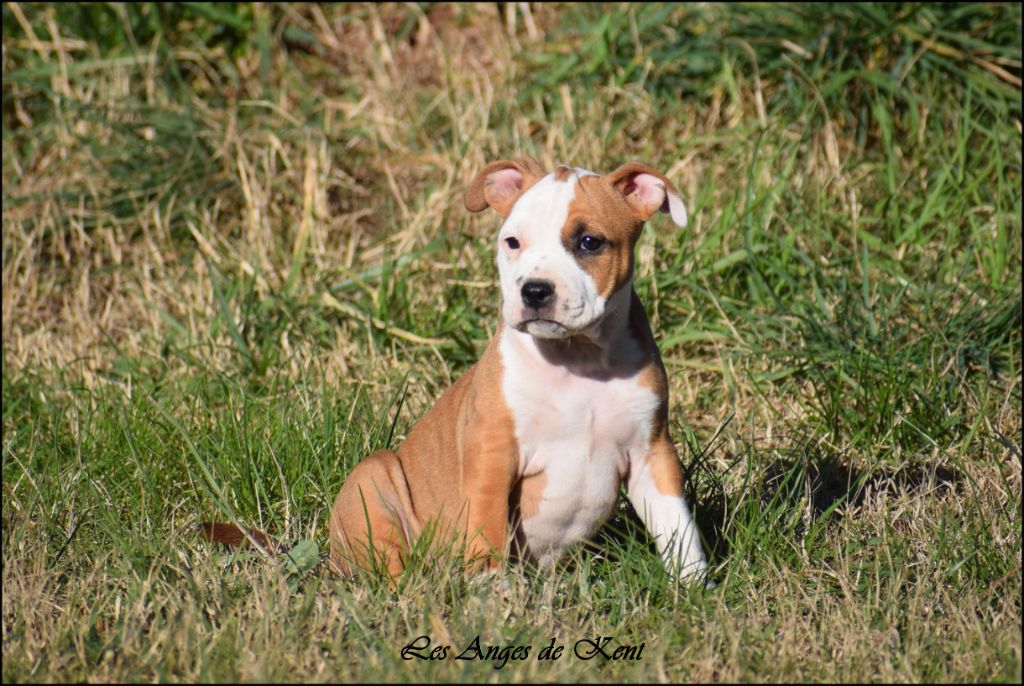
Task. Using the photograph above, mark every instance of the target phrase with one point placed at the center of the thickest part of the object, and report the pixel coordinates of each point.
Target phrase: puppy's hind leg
(372, 523)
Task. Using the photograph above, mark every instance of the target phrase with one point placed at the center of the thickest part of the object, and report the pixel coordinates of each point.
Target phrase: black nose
(537, 293)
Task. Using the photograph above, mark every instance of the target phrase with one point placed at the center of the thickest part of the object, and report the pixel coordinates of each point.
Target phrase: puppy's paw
(497, 579)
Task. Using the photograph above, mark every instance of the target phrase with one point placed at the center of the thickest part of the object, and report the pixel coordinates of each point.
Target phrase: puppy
(525, 453)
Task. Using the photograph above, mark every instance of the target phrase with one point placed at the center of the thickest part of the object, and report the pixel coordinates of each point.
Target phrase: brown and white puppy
(525, 453)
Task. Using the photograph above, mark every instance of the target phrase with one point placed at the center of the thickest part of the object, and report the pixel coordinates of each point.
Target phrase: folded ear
(647, 191)
(500, 184)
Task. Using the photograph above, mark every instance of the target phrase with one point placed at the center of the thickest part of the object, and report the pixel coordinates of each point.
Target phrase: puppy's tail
(235, 536)
(295, 559)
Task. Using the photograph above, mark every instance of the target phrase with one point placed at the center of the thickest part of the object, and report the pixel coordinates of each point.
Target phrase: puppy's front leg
(655, 489)
(486, 485)
(488, 474)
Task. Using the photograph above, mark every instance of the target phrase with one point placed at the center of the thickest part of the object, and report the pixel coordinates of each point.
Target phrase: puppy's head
(566, 244)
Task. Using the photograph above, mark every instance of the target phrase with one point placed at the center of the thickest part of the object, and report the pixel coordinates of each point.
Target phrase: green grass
(236, 261)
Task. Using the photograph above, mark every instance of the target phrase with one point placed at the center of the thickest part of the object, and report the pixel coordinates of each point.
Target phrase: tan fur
(665, 468)
(605, 214)
(662, 455)
(480, 196)
(528, 494)
(454, 472)
(562, 172)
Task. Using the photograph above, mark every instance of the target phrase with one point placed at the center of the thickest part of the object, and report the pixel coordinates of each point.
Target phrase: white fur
(582, 433)
(668, 520)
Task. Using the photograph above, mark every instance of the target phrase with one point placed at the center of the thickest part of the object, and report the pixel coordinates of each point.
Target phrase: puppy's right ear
(500, 184)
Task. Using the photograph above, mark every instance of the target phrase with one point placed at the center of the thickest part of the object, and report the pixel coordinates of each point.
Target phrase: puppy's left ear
(648, 191)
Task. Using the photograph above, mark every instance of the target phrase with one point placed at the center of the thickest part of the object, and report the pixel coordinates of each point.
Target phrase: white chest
(576, 437)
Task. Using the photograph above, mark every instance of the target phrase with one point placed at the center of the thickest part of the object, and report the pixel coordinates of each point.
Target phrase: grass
(235, 261)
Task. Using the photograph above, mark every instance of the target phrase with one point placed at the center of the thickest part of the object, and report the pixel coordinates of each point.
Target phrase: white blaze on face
(535, 226)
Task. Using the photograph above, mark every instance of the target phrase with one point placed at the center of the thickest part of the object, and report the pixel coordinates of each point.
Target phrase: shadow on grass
(788, 496)
(825, 489)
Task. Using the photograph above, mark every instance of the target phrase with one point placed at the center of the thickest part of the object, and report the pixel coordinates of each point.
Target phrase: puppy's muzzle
(537, 293)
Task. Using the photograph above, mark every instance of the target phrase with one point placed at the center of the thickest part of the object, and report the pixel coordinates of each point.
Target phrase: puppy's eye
(590, 243)
(512, 243)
